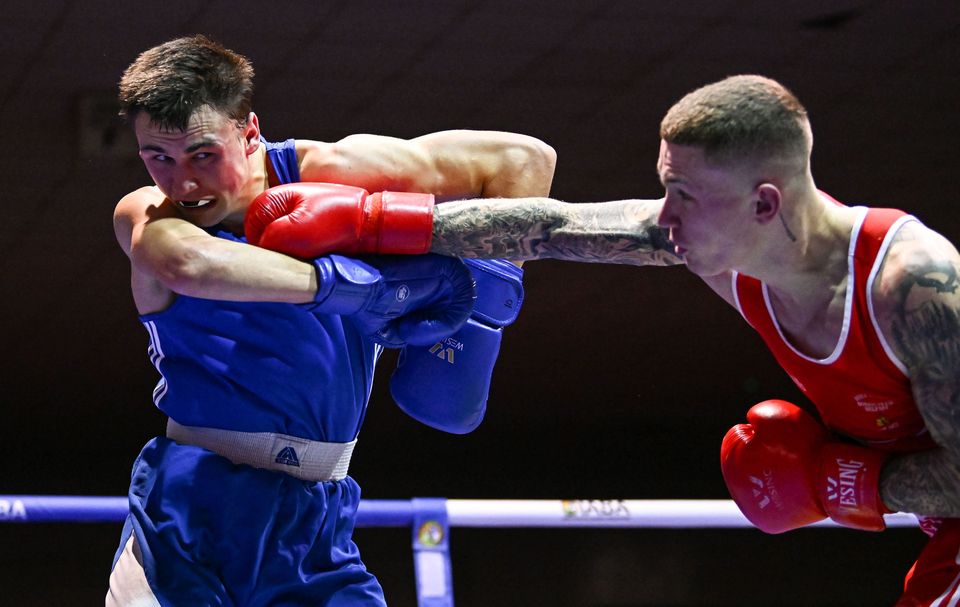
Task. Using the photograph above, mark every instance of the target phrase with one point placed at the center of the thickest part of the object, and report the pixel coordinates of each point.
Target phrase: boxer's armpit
(622, 232)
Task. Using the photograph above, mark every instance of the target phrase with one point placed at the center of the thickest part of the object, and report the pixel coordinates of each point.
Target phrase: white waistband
(301, 458)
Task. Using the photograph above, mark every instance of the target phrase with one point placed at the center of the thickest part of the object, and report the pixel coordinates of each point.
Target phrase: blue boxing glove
(396, 299)
(445, 385)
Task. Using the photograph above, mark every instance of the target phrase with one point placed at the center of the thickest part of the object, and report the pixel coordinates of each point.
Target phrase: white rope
(667, 514)
(670, 514)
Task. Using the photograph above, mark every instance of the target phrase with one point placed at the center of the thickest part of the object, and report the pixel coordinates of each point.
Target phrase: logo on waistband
(288, 457)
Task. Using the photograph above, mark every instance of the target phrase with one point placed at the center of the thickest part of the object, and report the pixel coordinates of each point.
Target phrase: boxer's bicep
(925, 331)
(373, 162)
(448, 164)
(488, 164)
(917, 295)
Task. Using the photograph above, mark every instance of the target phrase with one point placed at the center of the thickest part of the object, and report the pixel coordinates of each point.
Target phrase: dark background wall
(617, 382)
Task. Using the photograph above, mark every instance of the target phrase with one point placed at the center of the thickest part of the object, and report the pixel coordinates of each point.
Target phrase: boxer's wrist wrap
(499, 291)
(850, 485)
(343, 284)
(406, 223)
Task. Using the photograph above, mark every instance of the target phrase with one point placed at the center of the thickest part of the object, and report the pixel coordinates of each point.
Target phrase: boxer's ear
(768, 201)
(251, 133)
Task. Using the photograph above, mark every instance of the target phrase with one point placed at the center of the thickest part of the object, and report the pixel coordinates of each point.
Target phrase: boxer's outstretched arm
(920, 291)
(623, 231)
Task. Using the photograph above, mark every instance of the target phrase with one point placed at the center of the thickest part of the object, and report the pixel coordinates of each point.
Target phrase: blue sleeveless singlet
(261, 367)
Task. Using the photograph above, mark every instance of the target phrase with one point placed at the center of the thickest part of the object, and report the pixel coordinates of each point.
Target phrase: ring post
(431, 553)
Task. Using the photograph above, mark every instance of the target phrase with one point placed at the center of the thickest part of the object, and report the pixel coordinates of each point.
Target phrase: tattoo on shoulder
(926, 323)
(926, 331)
(622, 232)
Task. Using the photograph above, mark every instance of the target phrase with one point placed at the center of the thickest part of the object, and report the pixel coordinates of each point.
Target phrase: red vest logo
(872, 403)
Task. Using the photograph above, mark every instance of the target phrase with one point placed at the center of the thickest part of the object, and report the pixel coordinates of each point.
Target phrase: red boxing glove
(308, 220)
(784, 470)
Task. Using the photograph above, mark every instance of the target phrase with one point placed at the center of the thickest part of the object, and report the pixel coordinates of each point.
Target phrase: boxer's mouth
(194, 204)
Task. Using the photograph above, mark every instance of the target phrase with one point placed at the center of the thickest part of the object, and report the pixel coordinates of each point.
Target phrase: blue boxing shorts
(210, 532)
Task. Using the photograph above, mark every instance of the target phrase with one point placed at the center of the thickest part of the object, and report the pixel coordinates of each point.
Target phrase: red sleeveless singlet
(861, 389)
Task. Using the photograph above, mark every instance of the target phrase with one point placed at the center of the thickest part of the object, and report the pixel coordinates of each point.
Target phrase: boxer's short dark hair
(740, 118)
(173, 80)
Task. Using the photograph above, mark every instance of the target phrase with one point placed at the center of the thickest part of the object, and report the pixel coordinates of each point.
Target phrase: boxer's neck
(258, 180)
(808, 293)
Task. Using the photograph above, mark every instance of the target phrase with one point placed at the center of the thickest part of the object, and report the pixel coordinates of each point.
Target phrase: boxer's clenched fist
(307, 220)
(784, 471)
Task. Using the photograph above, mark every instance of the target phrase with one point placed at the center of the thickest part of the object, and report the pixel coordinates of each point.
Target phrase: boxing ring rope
(430, 520)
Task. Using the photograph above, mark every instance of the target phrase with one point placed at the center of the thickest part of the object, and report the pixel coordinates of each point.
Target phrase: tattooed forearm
(623, 232)
(926, 483)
